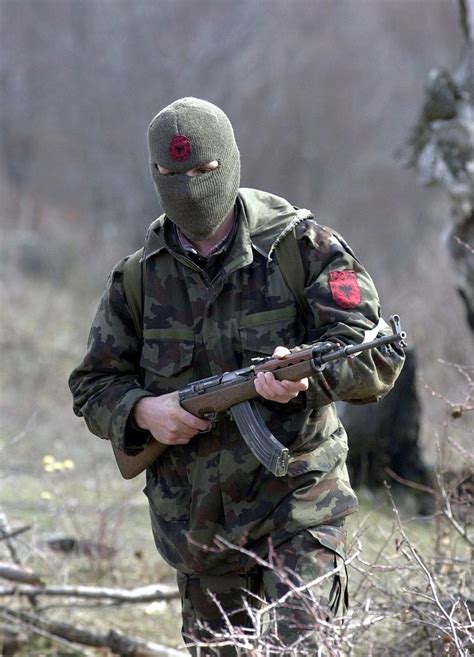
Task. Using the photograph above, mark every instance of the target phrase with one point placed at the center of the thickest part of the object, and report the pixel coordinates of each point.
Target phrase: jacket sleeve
(106, 384)
(344, 305)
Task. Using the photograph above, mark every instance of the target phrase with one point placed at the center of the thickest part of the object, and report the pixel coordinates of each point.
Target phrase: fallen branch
(14, 533)
(117, 642)
(19, 574)
(140, 594)
(6, 534)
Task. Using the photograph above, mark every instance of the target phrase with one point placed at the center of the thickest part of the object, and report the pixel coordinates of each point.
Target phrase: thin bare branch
(14, 533)
(431, 581)
(407, 482)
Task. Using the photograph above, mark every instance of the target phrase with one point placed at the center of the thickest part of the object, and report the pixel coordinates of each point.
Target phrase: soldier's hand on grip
(280, 391)
(166, 420)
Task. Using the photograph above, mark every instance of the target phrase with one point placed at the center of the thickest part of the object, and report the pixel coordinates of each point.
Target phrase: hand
(280, 391)
(167, 421)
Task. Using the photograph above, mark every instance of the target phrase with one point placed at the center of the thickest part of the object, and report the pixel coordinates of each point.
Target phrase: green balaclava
(187, 134)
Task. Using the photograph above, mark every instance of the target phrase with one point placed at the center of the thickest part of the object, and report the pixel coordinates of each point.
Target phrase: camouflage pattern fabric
(210, 603)
(196, 326)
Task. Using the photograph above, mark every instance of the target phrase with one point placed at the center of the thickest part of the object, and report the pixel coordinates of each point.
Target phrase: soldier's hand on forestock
(279, 391)
(167, 421)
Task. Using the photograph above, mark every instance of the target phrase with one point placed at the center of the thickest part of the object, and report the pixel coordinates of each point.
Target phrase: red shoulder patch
(345, 288)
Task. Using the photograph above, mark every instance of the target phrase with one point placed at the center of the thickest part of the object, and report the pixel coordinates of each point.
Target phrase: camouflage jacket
(195, 327)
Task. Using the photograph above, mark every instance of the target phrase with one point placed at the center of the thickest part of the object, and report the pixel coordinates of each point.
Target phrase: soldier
(213, 298)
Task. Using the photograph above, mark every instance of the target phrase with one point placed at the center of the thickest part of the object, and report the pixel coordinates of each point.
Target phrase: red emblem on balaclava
(345, 289)
(180, 148)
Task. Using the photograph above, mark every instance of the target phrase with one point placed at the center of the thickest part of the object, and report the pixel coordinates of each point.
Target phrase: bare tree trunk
(441, 149)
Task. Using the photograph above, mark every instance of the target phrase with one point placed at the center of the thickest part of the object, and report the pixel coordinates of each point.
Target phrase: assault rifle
(232, 392)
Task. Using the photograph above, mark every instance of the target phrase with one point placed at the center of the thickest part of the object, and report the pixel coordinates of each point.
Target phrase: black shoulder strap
(133, 288)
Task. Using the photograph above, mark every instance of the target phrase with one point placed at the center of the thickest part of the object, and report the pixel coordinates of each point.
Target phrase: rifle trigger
(212, 417)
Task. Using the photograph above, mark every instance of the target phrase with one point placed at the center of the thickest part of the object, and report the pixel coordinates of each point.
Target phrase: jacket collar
(263, 219)
(269, 218)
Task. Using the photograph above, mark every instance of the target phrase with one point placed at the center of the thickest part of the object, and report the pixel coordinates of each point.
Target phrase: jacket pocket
(167, 488)
(167, 359)
(261, 332)
(322, 458)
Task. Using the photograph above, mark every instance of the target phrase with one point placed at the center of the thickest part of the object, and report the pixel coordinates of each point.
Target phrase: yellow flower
(48, 459)
(46, 495)
(68, 464)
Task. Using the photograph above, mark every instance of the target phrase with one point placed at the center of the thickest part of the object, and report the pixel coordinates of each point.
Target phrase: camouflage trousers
(220, 610)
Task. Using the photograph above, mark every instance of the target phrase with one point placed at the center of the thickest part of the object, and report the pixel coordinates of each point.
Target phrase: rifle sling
(133, 288)
(291, 266)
